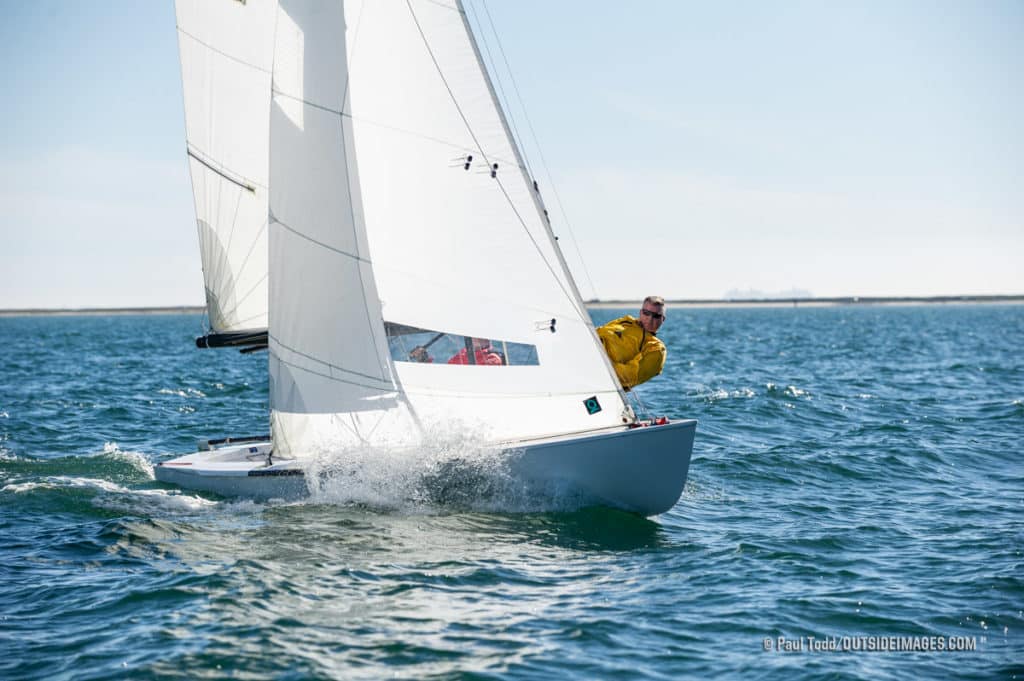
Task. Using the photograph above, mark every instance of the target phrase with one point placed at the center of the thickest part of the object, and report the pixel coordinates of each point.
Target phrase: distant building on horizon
(754, 294)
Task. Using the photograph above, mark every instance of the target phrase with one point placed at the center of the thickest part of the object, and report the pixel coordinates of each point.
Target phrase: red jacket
(483, 356)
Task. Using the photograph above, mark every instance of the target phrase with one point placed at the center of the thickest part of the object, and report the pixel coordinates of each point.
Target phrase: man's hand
(419, 354)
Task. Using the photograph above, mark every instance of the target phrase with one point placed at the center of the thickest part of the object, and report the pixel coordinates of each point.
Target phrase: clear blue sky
(847, 149)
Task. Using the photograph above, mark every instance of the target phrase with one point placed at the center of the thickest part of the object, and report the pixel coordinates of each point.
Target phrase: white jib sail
(226, 50)
(400, 211)
(330, 378)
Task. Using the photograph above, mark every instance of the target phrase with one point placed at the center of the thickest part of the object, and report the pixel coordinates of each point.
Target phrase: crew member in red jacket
(483, 353)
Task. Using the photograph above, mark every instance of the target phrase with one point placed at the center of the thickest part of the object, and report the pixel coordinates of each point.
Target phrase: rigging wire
(641, 407)
(536, 144)
(569, 296)
(574, 297)
(501, 90)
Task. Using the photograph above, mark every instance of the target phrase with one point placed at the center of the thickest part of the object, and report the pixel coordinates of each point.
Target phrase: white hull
(235, 471)
(641, 470)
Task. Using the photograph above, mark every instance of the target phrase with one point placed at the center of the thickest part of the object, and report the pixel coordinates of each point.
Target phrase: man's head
(652, 313)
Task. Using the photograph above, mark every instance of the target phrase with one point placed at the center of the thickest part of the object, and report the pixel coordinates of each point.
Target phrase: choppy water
(857, 472)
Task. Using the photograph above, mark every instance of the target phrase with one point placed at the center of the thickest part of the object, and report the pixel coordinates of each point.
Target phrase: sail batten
(226, 174)
(213, 48)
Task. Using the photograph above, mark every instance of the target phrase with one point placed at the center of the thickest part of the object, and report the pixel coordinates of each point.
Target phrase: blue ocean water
(857, 478)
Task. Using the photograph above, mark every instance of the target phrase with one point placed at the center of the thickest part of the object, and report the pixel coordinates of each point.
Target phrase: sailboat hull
(641, 470)
(236, 471)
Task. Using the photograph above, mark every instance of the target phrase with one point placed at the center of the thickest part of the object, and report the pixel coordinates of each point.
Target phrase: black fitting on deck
(238, 339)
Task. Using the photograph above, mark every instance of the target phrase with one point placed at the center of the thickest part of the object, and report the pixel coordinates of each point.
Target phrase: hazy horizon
(587, 301)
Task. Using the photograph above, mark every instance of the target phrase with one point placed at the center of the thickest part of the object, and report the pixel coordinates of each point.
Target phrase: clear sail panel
(427, 346)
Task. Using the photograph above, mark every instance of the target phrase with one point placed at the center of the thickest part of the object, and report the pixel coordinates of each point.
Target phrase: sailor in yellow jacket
(632, 344)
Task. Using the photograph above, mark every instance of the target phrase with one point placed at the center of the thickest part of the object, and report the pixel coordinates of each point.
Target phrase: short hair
(654, 300)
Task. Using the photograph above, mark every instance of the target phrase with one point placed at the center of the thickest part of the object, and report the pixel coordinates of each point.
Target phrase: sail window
(413, 344)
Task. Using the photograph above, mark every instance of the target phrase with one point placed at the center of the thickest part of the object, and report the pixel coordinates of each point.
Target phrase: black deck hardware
(238, 339)
(284, 472)
(239, 440)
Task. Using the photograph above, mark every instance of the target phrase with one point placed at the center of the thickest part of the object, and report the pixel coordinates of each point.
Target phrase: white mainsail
(226, 50)
(398, 200)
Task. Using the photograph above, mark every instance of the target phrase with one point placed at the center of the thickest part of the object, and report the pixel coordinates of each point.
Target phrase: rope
(639, 403)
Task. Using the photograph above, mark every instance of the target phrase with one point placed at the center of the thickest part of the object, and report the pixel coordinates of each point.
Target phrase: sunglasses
(656, 315)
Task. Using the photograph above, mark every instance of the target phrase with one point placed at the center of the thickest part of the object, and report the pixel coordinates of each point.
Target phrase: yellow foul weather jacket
(637, 355)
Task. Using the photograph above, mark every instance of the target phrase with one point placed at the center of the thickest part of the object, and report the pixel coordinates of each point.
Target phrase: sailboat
(364, 211)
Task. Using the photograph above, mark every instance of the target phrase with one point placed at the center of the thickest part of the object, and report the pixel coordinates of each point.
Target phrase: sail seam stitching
(413, 133)
(320, 243)
(385, 126)
(223, 53)
(441, 4)
(326, 364)
(337, 379)
(307, 102)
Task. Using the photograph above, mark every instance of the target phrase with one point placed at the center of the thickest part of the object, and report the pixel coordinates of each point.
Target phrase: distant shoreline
(819, 302)
(593, 304)
(100, 311)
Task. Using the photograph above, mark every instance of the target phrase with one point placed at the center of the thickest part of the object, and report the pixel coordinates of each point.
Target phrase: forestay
(226, 50)
(399, 201)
